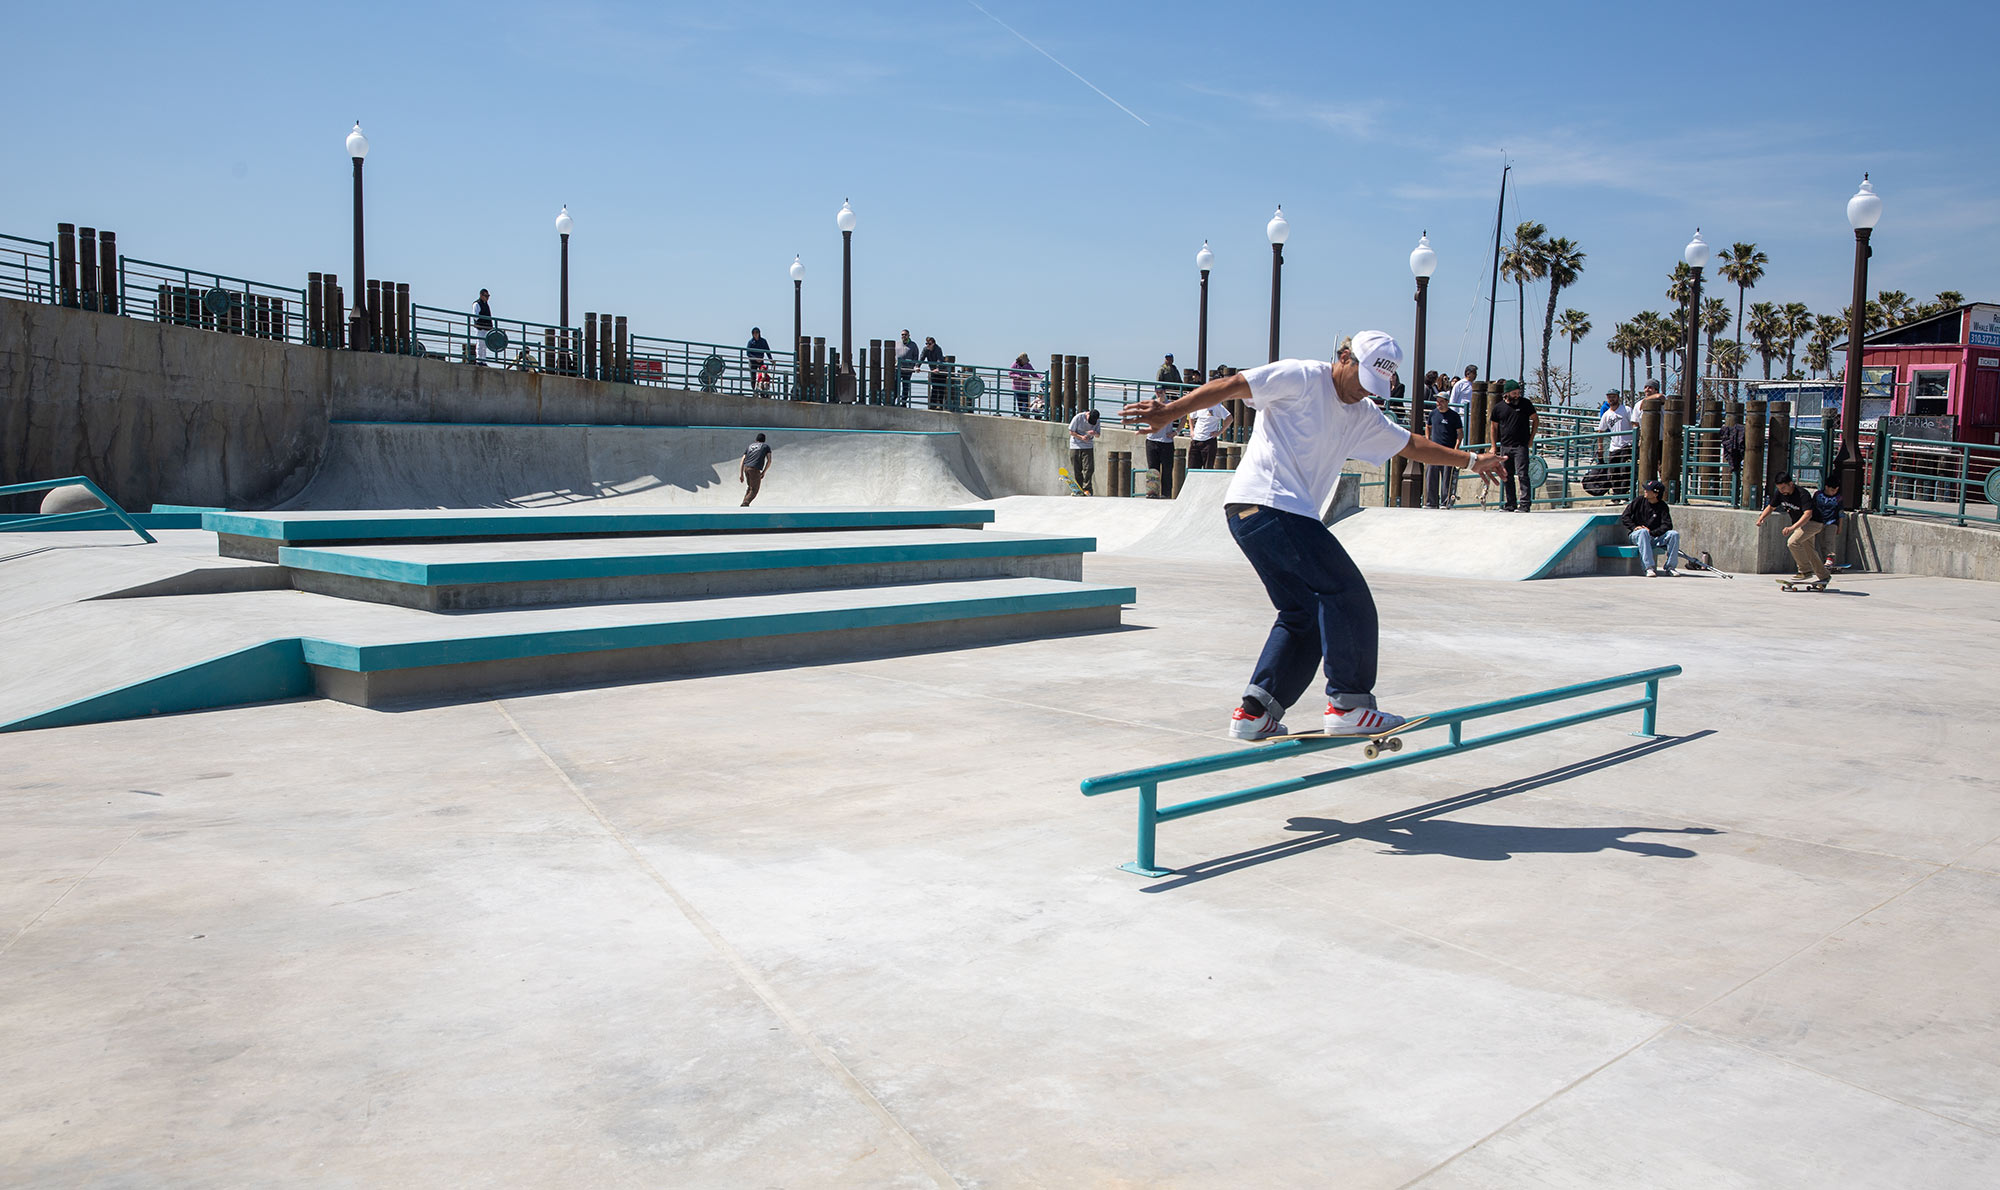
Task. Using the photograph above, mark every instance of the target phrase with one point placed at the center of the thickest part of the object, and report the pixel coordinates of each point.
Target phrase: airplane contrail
(1058, 61)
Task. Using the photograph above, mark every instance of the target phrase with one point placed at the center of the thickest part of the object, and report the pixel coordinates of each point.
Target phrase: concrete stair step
(259, 536)
(460, 576)
(266, 645)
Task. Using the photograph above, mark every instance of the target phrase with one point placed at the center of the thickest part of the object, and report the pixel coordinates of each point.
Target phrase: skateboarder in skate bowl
(1312, 416)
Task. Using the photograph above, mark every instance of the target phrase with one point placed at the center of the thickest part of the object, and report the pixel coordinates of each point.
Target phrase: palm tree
(1872, 319)
(1646, 333)
(1798, 324)
(1945, 302)
(1562, 263)
(1623, 344)
(1728, 358)
(1680, 283)
(1714, 319)
(1575, 325)
(1826, 331)
(1521, 264)
(1670, 336)
(1897, 308)
(1767, 328)
(1744, 265)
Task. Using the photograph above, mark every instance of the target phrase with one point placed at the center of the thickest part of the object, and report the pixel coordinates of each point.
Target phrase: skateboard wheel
(1371, 751)
(1393, 744)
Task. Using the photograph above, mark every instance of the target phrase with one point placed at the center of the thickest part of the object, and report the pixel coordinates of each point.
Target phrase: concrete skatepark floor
(852, 924)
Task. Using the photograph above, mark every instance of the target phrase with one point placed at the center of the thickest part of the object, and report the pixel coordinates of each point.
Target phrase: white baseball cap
(1379, 356)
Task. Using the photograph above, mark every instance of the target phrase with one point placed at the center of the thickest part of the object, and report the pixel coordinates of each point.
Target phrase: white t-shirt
(1461, 395)
(1079, 426)
(1617, 421)
(1304, 435)
(1208, 423)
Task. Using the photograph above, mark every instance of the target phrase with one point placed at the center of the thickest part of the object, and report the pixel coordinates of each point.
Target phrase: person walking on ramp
(1312, 418)
(756, 464)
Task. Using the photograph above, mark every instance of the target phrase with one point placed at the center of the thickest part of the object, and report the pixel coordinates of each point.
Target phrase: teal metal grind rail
(45, 520)
(1148, 780)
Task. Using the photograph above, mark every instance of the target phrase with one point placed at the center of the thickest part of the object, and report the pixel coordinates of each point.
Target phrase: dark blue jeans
(1325, 613)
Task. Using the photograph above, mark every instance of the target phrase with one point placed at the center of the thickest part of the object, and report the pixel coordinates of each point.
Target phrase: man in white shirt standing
(1160, 459)
(1461, 393)
(1083, 433)
(1312, 417)
(1616, 419)
(1205, 429)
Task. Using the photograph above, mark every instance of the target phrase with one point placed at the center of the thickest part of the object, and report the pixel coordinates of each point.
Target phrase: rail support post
(1648, 718)
(1149, 825)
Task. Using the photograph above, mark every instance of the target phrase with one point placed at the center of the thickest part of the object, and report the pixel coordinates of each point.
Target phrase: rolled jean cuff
(1263, 696)
(1347, 701)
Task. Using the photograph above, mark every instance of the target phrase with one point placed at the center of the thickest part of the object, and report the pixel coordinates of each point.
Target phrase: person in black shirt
(755, 353)
(1514, 424)
(1802, 529)
(1440, 482)
(1651, 524)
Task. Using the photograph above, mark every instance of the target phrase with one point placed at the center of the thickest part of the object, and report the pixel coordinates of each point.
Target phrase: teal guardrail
(46, 520)
(1954, 481)
(1148, 780)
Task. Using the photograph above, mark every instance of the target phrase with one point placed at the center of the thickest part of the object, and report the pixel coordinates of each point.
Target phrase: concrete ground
(853, 925)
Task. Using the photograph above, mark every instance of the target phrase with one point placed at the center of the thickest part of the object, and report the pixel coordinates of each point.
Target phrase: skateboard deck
(1067, 478)
(1376, 744)
(1801, 585)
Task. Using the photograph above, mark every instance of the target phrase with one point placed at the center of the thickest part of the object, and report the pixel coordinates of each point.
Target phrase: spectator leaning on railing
(934, 356)
(1024, 377)
(906, 365)
(482, 322)
(757, 352)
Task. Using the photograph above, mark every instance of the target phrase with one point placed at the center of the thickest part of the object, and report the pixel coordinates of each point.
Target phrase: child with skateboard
(1313, 416)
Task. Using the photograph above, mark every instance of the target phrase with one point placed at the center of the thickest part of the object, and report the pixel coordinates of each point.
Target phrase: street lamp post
(357, 148)
(1203, 260)
(1696, 254)
(798, 326)
(563, 225)
(1423, 262)
(1864, 210)
(1277, 231)
(845, 220)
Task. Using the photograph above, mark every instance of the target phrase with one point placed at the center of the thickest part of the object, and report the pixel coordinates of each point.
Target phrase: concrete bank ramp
(372, 465)
(1469, 544)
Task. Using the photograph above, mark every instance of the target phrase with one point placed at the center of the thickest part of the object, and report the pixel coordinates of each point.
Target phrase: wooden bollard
(590, 345)
(406, 328)
(1670, 449)
(1180, 469)
(1648, 452)
(86, 258)
(621, 350)
(108, 278)
(1083, 395)
(315, 307)
(1755, 421)
(1777, 442)
(66, 263)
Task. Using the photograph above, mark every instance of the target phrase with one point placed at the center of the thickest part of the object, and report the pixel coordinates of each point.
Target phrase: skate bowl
(1467, 544)
(404, 465)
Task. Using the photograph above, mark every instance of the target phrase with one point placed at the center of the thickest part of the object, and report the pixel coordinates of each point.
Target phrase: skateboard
(1374, 745)
(1811, 584)
(1067, 478)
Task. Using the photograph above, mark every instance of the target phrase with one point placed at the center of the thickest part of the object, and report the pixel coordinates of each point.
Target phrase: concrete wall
(173, 415)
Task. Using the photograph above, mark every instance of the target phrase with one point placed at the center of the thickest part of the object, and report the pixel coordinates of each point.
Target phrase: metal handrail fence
(1956, 481)
(1110, 394)
(210, 301)
(1598, 464)
(1706, 476)
(709, 368)
(45, 520)
(28, 269)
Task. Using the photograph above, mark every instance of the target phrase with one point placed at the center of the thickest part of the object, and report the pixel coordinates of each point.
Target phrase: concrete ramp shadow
(1422, 830)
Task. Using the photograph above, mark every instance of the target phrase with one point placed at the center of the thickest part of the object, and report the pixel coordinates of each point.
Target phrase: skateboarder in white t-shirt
(1312, 416)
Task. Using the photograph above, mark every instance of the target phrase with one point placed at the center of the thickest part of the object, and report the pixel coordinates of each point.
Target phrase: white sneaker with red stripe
(1359, 721)
(1245, 726)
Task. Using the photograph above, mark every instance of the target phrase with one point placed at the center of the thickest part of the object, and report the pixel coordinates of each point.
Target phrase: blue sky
(1004, 205)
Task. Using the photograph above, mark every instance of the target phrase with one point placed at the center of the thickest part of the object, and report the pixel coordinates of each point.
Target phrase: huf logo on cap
(1385, 366)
